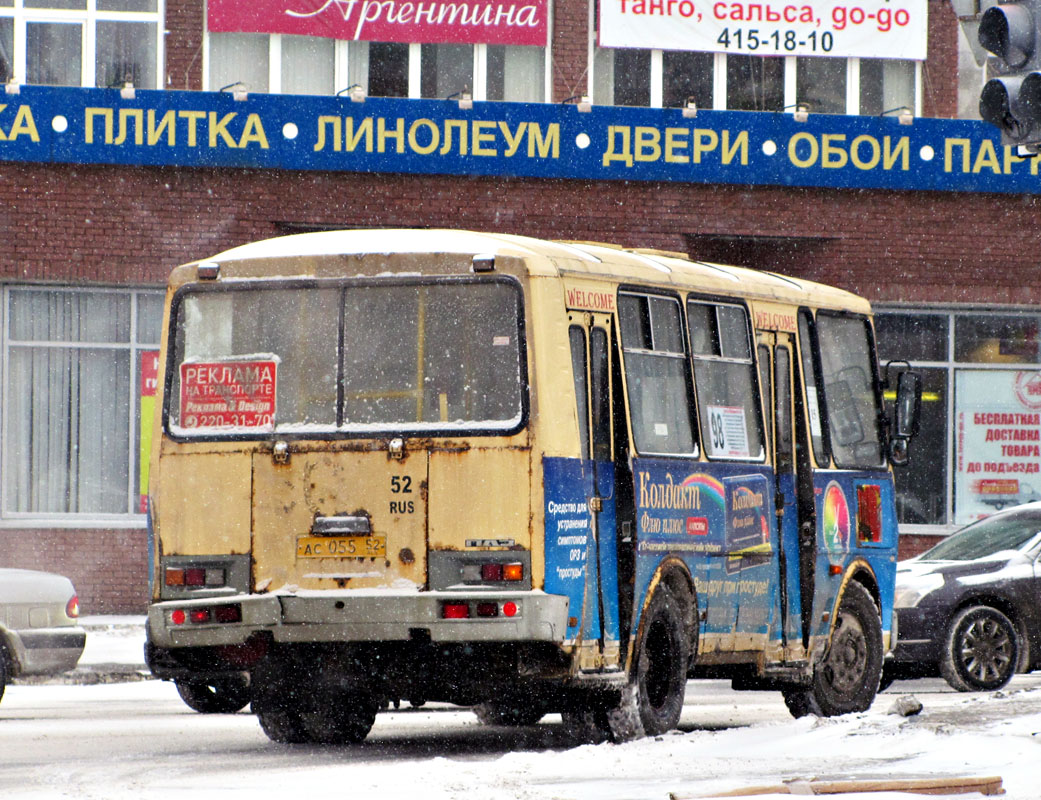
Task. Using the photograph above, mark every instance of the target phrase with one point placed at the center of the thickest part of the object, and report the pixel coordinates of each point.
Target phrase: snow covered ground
(159, 750)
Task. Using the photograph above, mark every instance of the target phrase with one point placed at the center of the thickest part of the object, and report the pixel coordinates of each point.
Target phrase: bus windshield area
(849, 391)
(352, 358)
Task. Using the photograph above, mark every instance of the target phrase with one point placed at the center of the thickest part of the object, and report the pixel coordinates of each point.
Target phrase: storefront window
(380, 68)
(821, 84)
(239, 58)
(623, 77)
(516, 73)
(670, 78)
(325, 66)
(73, 399)
(979, 446)
(307, 65)
(886, 84)
(6, 49)
(998, 339)
(116, 42)
(922, 337)
(755, 83)
(124, 54)
(54, 53)
(447, 69)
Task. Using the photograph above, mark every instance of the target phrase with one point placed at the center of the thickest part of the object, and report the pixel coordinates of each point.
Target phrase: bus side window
(766, 389)
(814, 412)
(725, 376)
(600, 376)
(783, 409)
(577, 338)
(658, 381)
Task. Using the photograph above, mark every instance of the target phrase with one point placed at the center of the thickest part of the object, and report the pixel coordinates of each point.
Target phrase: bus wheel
(221, 696)
(343, 719)
(610, 718)
(661, 664)
(283, 726)
(846, 679)
(512, 713)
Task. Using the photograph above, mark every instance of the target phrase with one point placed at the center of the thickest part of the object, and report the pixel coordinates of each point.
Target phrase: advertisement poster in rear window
(997, 441)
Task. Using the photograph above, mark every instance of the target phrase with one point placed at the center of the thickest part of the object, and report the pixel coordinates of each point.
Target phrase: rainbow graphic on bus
(836, 519)
(712, 488)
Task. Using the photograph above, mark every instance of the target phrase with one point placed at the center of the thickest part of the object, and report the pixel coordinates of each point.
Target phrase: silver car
(39, 634)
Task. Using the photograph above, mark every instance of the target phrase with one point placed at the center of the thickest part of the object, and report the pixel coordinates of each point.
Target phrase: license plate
(341, 546)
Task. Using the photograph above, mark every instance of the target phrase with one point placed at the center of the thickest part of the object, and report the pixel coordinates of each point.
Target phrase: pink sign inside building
(509, 22)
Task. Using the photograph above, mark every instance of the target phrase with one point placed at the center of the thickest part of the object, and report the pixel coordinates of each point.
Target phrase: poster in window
(728, 431)
(997, 441)
(235, 393)
(149, 387)
(433, 22)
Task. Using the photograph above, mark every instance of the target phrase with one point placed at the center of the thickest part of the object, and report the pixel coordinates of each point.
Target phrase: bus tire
(221, 696)
(660, 675)
(510, 713)
(343, 719)
(283, 726)
(613, 717)
(846, 679)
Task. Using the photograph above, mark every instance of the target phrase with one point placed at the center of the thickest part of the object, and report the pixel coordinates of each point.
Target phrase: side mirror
(906, 415)
(908, 408)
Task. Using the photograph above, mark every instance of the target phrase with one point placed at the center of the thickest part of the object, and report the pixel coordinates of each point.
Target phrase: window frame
(88, 18)
(336, 432)
(135, 347)
(342, 78)
(596, 88)
(687, 373)
(750, 362)
(949, 367)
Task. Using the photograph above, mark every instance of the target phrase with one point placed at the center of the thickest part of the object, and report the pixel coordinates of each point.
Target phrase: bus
(525, 476)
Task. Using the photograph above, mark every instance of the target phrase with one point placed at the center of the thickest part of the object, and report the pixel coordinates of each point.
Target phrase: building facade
(139, 134)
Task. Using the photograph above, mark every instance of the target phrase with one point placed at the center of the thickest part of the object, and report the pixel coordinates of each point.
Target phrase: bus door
(589, 336)
(777, 377)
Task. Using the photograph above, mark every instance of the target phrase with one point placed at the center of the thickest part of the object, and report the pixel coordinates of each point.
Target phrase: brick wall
(109, 568)
(132, 224)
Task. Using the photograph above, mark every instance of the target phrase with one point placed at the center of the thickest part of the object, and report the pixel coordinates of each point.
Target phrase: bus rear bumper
(360, 616)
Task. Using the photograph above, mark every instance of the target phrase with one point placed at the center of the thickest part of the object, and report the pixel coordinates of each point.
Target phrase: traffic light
(1012, 99)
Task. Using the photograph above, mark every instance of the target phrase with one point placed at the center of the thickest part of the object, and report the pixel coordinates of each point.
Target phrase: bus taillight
(455, 611)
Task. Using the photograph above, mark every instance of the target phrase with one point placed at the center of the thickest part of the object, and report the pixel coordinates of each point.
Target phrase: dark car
(969, 609)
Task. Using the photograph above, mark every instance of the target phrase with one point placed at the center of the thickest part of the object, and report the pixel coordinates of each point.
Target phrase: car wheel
(846, 679)
(3, 671)
(981, 651)
(221, 696)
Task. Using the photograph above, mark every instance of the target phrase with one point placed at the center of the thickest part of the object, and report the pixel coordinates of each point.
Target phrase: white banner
(867, 29)
(998, 444)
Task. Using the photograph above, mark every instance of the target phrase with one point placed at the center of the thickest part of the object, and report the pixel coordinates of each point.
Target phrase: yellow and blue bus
(526, 476)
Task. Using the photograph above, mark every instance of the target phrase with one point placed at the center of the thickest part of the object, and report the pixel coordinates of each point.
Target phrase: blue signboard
(543, 140)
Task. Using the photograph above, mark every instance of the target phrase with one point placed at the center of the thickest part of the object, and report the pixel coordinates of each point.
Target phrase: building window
(74, 364)
(978, 448)
(672, 78)
(886, 84)
(81, 42)
(754, 83)
(285, 64)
